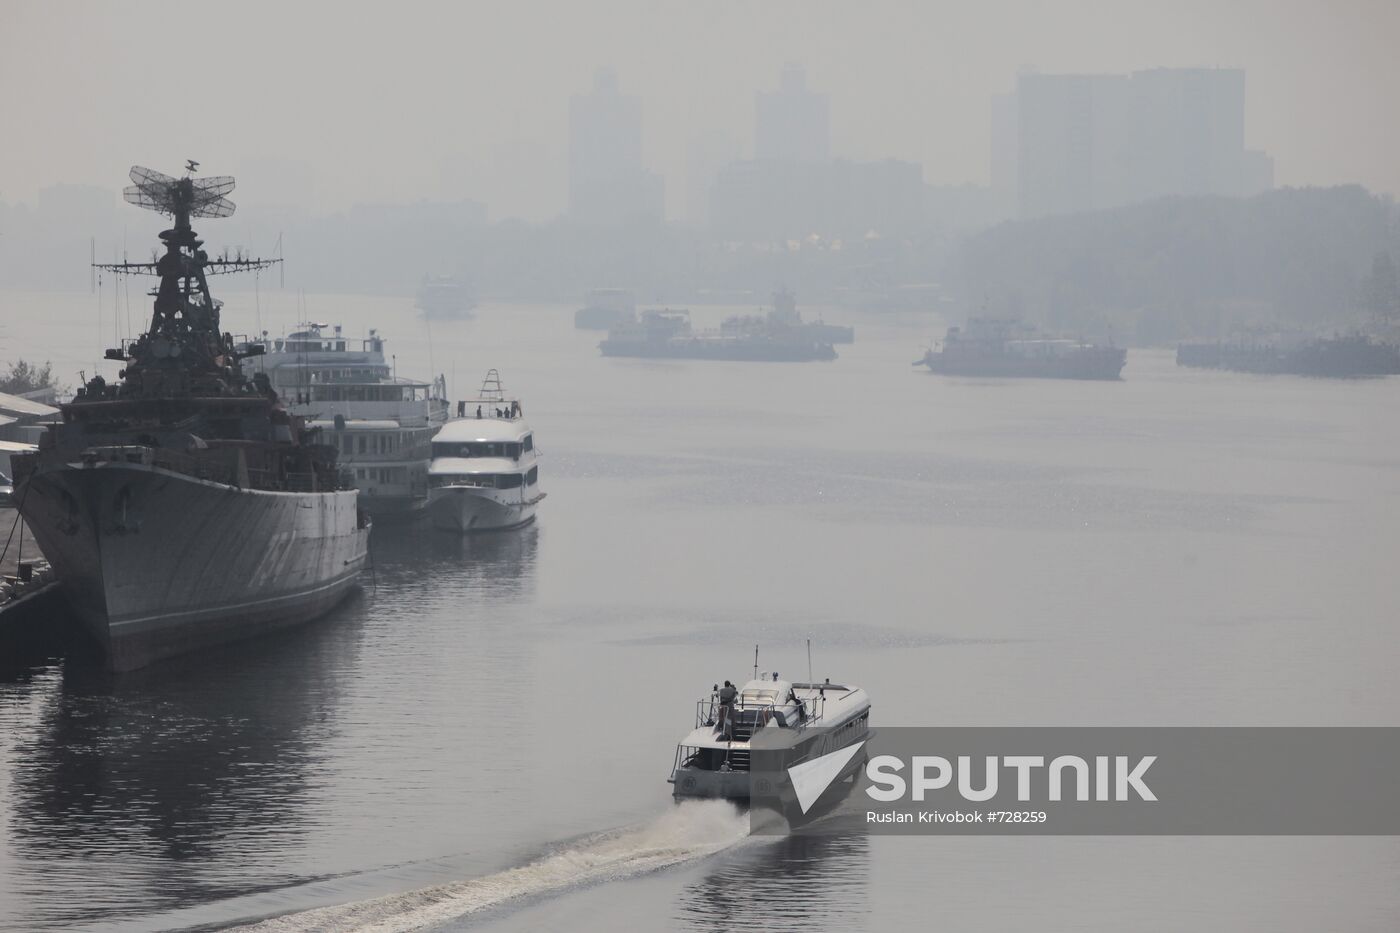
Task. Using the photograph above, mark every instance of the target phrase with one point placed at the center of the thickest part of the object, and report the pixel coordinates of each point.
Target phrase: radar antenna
(186, 315)
(182, 198)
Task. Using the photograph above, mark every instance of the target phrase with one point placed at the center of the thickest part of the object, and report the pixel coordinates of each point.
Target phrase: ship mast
(184, 332)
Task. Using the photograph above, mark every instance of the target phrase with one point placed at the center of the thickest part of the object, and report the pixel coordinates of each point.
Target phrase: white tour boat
(381, 424)
(800, 721)
(485, 472)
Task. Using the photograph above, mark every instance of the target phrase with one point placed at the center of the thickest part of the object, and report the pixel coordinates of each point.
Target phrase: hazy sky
(414, 99)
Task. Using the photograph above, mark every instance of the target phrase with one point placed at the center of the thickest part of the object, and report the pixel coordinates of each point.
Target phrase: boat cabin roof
(472, 466)
(487, 430)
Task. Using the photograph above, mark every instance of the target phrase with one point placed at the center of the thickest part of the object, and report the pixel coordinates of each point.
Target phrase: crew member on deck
(728, 694)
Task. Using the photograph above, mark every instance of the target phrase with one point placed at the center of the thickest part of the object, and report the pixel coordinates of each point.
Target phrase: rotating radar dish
(191, 197)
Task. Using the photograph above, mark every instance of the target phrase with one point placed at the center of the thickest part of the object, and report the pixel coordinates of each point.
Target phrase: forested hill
(1310, 258)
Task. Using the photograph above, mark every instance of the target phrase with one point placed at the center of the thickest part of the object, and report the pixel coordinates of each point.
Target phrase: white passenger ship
(485, 471)
(382, 425)
(799, 721)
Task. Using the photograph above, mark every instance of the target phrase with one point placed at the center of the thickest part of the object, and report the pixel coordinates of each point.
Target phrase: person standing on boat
(728, 694)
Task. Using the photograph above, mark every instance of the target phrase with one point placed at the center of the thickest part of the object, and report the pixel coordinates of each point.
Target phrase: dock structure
(21, 589)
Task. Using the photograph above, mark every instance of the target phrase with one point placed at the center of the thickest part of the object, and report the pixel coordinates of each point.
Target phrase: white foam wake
(689, 830)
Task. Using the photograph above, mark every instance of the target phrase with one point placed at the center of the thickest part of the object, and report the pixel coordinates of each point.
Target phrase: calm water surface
(498, 714)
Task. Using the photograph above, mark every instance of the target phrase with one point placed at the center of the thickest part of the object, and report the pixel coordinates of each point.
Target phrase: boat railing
(207, 468)
(707, 712)
(287, 482)
(198, 467)
(493, 409)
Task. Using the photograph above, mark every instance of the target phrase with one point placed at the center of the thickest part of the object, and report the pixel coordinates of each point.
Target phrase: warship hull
(157, 563)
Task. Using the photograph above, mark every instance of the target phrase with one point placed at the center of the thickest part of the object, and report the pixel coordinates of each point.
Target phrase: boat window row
(308, 346)
(386, 475)
(511, 449)
(331, 392)
(490, 480)
(381, 442)
(301, 376)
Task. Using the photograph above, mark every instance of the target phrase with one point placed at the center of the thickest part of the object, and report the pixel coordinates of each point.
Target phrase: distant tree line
(24, 376)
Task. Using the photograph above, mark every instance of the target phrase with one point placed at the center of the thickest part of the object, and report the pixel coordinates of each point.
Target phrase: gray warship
(1007, 349)
(1339, 356)
(184, 506)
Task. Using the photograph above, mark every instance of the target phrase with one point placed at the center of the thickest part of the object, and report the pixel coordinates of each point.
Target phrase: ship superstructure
(784, 321)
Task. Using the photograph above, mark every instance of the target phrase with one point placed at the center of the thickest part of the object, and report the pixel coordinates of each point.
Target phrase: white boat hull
(157, 563)
(468, 509)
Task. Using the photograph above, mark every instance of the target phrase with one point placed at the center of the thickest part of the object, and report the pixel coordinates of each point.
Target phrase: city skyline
(912, 85)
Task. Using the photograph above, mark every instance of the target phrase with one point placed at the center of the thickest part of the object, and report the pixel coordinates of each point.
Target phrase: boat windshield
(469, 449)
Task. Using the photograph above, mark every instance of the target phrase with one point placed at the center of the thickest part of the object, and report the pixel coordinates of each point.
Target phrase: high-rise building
(1055, 144)
(1086, 142)
(1190, 125)
(1258, 172)
(792, 124)
(608, 184)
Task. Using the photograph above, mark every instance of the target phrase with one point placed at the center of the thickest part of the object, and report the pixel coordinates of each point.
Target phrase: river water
(480, 738)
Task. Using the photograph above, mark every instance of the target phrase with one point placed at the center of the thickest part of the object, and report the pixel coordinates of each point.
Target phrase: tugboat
(668, 335)
(184, 506)
(798, 721)
(485, 473)
(999, 348)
